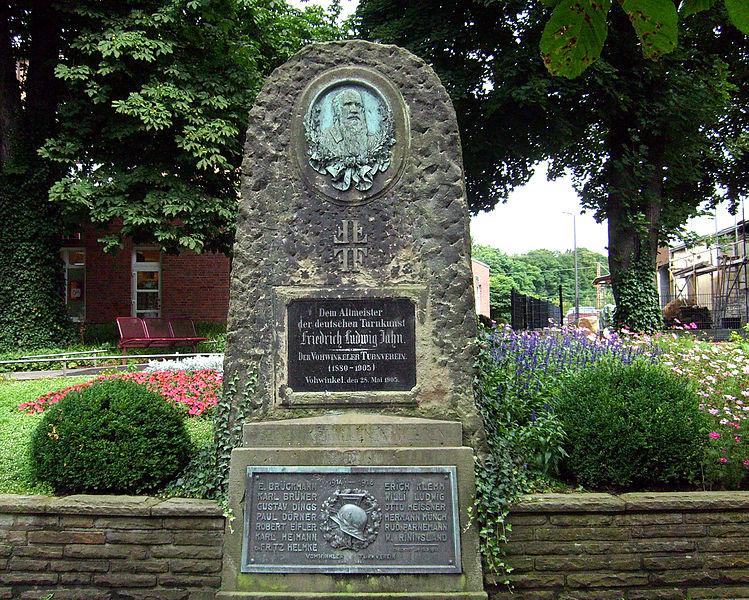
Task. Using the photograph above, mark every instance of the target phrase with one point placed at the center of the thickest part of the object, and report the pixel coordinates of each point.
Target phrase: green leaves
(655, 22)
(738, 12)
(135, 44)
(691, 7)
(573, 38)
(574, 35)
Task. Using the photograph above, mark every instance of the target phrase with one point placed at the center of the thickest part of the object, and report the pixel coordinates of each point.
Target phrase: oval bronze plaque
(351, 134)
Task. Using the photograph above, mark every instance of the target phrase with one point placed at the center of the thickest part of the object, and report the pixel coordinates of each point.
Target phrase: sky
(534, 215)
(347, 6)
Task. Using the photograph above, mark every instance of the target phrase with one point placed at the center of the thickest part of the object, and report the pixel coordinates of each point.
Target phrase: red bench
(156, 333)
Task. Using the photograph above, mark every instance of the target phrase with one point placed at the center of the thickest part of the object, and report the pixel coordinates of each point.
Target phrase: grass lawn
(16, 429)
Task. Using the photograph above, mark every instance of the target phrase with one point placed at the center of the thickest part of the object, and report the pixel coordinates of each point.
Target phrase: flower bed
(721, 372)
(539, 361)
(197, 390)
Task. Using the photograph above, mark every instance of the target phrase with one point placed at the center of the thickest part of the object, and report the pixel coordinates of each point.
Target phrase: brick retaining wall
(664, 546)
(562, 547)
(109, 547)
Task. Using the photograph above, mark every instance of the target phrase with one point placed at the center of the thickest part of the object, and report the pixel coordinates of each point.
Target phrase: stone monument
(351, 338)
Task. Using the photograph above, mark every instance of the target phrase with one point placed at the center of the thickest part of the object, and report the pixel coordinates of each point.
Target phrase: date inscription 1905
(346, 345)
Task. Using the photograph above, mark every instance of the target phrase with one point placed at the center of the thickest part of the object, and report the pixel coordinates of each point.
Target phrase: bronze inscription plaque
(351, 520)
(348, 345)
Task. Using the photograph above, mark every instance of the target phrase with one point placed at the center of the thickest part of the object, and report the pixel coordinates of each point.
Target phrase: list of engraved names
(349, 519)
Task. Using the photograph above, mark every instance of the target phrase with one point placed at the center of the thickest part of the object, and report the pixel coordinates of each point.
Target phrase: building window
(75, 282)
(146, 284)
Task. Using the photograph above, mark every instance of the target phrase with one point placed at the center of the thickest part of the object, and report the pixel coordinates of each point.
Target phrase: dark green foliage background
(113, 437)
(647, 143)
(31, 270)
(631, 426)
(153, 122)
(539, 273)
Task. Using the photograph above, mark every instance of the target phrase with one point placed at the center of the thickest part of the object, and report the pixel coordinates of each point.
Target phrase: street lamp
(577, 278)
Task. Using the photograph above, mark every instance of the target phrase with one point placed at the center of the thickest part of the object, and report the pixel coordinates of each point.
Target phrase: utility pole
(577, 277)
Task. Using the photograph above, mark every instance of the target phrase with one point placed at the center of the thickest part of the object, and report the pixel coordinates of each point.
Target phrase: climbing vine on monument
(500, 478)
(228, 426)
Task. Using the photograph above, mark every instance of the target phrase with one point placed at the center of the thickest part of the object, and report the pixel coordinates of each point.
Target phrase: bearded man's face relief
(352, 108)
(347, 149)
(348, 110)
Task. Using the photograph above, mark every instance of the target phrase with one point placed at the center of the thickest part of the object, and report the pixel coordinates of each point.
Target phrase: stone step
(353, 430)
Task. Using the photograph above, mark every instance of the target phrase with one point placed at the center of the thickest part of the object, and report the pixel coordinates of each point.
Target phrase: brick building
(141, 281)
(481, 287)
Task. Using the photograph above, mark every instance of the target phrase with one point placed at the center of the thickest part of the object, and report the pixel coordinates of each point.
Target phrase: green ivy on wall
(32, 309)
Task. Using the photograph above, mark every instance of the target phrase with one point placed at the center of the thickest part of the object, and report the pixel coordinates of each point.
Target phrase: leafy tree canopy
(132, 113)
(155, 110)
(647, 142)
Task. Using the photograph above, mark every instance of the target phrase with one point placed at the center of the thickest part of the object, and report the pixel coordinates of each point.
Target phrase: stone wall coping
(577, 502)
(632, 502)
(117, 506)
(147, 506)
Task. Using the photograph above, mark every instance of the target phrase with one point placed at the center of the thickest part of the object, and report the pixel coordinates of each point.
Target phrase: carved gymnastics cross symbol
(352, 245)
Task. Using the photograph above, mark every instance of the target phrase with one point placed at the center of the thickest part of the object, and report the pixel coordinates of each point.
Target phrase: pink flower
(714, 435)
(722, 460)
(197, 390)
(746, 462)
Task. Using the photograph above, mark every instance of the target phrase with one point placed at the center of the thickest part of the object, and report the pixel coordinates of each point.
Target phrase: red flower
(197, 390)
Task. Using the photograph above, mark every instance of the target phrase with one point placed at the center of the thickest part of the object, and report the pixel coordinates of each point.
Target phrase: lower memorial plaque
(351, 520)
(351, 344)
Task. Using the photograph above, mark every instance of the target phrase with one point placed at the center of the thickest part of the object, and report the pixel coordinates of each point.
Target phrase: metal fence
(707, 311)
(528, 312)
(62, 360)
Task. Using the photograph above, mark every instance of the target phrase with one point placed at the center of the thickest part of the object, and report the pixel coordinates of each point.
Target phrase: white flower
(190, 363)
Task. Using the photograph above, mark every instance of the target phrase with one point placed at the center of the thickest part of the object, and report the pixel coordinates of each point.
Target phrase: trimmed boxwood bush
(631, 425)
(113, 437)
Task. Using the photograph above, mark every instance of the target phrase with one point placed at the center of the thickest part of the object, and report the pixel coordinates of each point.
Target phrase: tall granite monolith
(351, 338)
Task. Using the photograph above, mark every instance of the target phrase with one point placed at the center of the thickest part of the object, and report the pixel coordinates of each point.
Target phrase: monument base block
(352, 506)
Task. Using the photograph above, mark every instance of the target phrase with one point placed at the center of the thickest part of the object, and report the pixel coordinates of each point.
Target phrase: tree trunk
(33, 312)
(10, 92)
(633, 210)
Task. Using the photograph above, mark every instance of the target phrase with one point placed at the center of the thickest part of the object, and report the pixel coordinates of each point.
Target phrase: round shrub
(631, 425)
(114, 437)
